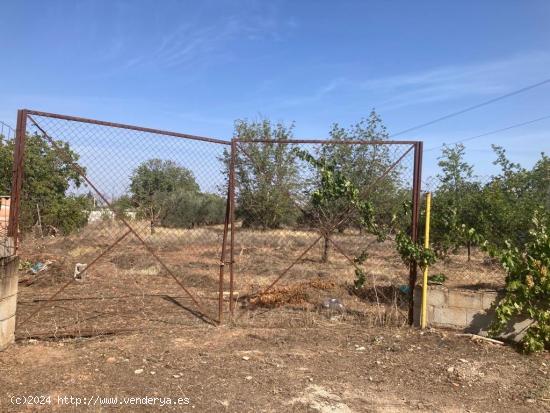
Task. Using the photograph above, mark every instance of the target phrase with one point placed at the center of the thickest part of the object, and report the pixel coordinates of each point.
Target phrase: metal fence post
(232, 218)
(417, 176)
(17, 177)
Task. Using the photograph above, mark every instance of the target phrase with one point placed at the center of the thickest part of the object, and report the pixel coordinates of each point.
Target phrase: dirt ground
(301, 363)
(128, 330)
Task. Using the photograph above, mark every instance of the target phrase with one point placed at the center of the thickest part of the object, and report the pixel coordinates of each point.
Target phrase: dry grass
(192, 256)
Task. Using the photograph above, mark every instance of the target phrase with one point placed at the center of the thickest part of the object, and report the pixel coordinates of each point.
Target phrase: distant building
(105, 214)
(4, 215)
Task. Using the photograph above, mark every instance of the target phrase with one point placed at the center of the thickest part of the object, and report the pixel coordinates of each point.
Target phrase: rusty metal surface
(326, 142)
(125, 126)
(82, 173)
(17, 180)
(229, 223)
(415, 146)
(417, 182)
(232, 218)
(223, 254)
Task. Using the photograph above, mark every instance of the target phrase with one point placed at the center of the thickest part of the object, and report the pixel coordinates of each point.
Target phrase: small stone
(530, 401)
(153, 373)
(451, 370)
(138, 371)
(463, 360)
(360, 348)
(176, 376)
(248, 377)
(111, 360)
(378, 362)
(246, 358)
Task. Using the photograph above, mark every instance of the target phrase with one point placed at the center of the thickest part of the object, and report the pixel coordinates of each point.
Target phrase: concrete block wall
(469, 310)
(8, 299)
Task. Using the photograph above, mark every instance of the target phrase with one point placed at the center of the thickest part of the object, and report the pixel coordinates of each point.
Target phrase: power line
(479, 105)
(8, 127)
(517, 125)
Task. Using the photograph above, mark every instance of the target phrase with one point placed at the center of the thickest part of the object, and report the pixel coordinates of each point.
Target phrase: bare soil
(284, 361)
(128, 329)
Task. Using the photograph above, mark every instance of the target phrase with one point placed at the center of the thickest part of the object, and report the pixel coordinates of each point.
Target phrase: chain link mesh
(144, 211)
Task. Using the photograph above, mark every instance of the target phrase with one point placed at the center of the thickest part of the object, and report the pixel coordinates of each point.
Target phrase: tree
(366, 164)
(154, 182)
(334, 198)
(456, 217)
(266, 175)
(47, 179)
(168, 195)
(189, 209)
(511, 198)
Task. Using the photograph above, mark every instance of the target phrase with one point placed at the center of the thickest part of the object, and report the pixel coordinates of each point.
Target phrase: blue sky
(197, 66)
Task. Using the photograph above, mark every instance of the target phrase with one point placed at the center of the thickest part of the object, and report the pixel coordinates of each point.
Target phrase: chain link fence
(123, 227)
(119, 225)
(301, 237)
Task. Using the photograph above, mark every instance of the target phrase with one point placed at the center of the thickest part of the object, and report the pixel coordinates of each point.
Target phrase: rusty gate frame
(415, 146)
(24, 115)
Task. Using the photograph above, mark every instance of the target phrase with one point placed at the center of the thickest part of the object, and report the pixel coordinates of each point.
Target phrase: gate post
(17, 177)
(417, 176)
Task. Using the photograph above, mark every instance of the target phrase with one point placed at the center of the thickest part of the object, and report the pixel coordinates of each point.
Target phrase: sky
(196, 67)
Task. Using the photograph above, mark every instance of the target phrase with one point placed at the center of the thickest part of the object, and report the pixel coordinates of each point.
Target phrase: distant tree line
(333, 187)
(468, 210)
(47, 178)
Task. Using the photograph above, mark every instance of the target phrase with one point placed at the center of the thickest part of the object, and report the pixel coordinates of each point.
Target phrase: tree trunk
(326, 249)
(469, 247)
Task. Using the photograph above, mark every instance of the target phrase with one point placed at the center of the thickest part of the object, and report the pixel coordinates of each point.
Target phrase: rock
(111, 360)
(333, 304)
(530, 401)
(451, 369)
(176, 376)
(246, 358)
(138, 371)
(361, 348)
(463, 360)
(248, 377)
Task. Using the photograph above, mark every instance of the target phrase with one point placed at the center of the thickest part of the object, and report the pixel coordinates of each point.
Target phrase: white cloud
(454, 82)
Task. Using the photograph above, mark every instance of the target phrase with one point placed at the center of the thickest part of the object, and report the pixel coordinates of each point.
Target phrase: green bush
(527, 286)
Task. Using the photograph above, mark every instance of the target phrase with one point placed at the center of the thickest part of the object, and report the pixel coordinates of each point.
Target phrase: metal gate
(144, 210)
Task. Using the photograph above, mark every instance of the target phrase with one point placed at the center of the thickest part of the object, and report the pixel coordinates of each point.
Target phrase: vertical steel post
(223, 255)
(17, 177)
(232, 219)
(417, 176)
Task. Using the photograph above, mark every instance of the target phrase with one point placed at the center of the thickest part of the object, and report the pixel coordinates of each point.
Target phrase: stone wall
(8, 299)
(469, 310)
